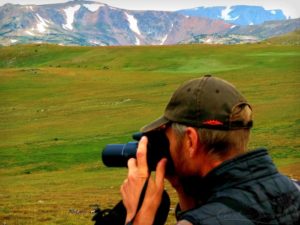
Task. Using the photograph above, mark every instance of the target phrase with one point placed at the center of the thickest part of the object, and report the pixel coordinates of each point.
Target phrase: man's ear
(192, 141)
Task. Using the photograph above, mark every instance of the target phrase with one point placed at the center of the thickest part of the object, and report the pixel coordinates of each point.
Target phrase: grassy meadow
(61, 105)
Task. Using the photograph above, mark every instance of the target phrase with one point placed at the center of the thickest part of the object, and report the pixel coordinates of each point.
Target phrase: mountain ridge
(88, 23)
(241, 15)
(94, 23)
(248, 34)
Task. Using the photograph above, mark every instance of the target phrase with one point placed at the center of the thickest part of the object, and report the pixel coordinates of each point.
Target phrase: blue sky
(290, 7)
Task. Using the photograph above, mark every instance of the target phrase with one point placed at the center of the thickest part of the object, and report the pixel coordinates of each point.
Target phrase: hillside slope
(61, 105)
(292, 38)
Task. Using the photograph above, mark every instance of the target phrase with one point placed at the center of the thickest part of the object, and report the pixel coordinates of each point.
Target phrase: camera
(117, 155)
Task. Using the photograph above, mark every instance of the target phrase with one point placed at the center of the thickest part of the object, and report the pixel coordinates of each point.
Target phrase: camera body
(117, 155)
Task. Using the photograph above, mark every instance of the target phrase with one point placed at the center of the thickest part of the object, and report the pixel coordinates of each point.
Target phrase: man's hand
(132, 187)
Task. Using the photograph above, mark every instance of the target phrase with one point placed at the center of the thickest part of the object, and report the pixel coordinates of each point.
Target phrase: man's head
(206, 102)
(210, 115)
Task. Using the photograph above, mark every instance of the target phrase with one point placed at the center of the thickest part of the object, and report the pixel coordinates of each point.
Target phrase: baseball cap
(205, 102)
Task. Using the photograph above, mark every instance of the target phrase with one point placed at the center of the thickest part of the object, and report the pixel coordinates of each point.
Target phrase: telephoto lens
(117, 155)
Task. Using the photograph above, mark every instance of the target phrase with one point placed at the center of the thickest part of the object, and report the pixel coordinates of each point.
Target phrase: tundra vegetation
(61, 105)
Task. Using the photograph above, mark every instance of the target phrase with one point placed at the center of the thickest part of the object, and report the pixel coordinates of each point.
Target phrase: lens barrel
(117, 155)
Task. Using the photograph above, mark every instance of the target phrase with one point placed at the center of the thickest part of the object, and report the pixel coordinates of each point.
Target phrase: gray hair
(220, 142)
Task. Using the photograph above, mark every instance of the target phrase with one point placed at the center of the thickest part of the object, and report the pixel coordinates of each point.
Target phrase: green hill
(292, 38)
(61, 105)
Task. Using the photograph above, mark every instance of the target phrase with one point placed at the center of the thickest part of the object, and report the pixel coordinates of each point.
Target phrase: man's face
(178, 155)
(186, 167)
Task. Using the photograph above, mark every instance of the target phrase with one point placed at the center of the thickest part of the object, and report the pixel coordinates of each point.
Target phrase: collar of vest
(247, 167)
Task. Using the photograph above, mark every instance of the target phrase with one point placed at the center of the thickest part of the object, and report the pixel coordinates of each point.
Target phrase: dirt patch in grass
(291, 170)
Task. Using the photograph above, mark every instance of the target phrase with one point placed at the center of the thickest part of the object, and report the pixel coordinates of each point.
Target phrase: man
(207, 123)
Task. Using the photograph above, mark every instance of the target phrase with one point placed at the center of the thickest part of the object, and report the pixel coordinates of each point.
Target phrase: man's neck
(211, 161)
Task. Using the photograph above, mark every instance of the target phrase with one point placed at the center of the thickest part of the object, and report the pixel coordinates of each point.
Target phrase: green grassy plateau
(292, 38)
(61, 105)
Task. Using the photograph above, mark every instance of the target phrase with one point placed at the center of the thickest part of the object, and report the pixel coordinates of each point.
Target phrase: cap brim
(155, 124)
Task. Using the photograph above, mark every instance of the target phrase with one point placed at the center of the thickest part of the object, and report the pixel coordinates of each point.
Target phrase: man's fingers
(132, 167)
(141, 156)
(131, 163)
(160, 172)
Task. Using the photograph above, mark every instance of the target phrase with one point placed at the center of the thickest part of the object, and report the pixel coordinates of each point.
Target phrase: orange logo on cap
(212, 122)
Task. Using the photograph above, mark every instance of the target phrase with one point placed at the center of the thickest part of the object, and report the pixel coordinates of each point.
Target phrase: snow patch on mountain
(29, 8)
(225, 14)
(29, 33)
(96, 42)
(137, 41)
(133, 23)
(93, 7)
(70, 12)
(42, 24)
(163, 40)
(13, 41)
(208, 41)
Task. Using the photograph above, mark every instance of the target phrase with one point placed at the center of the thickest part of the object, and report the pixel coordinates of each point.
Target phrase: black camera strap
(117, 215)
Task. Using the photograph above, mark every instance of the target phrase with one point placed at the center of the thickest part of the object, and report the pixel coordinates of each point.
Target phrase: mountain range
(83, 22)
(247, 34)
(239, 15)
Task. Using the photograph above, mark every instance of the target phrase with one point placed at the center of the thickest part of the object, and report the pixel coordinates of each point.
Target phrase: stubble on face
(176, 152)
(191, 183)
